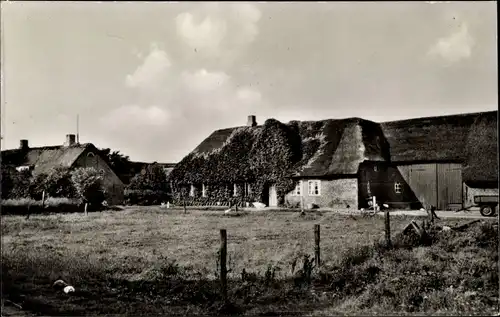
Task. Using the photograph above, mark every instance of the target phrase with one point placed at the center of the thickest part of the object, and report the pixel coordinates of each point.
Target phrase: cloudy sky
(154, 79)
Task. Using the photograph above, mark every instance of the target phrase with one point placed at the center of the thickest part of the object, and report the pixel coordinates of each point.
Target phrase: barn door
(449, 180)
(422, 181)
(273, 197)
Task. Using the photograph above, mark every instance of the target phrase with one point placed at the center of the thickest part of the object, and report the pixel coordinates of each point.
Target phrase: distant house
(70, 155)
(440, 161)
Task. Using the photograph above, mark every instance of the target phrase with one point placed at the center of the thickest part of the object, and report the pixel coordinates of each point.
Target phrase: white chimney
(251, 121)
(70, 140)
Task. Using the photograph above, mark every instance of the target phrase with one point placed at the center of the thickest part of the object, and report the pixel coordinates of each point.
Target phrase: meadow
(150, 261)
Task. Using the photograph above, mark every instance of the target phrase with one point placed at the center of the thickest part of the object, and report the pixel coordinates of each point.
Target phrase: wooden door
(273, 197)
(422, 180)
(449, 186)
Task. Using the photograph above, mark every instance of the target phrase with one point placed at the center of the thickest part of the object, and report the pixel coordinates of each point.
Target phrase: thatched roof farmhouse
(68, 155)
(322, 162)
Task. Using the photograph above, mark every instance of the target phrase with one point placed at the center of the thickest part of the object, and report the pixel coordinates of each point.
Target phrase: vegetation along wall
(258, 156)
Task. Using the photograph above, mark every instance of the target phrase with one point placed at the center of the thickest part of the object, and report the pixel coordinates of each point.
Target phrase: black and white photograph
(179, 158)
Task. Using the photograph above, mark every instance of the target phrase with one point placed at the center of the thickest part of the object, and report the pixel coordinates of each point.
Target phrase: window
(398, 188)
(248, 189)
(314, 188)
(375, 168)
(298, 189)
(102, 172)
(191, 191)
(203, 190)
(368, 188)
(235, 190)
(23, 168)
(90, 154)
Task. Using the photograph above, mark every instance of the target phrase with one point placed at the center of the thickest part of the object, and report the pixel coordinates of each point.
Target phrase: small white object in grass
(386, 205)
(69, 289)
(168, 204)
(227, 211)
(446, 228)
(422, 209)
(60, 283)
(162, 205)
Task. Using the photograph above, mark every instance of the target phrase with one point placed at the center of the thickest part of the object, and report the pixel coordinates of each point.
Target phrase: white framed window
(398, 188)
(298, 189)
(235, 190)
(203, 190)
(248, 189)
(314, 187)
(375, 168)
(191, 191)
(90, 154)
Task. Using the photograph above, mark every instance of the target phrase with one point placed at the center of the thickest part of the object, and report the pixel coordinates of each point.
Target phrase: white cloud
(217, 29)
(248, 95)
(205, 36)
(134, 116)
(204, 81)
(455, 47)
(152, 69)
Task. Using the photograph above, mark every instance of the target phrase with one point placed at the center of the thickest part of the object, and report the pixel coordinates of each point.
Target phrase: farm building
(341, 163)
(71, 155)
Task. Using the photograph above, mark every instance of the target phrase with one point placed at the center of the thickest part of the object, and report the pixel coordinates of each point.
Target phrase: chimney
(70, 140)
(23, 145)
(251, 121)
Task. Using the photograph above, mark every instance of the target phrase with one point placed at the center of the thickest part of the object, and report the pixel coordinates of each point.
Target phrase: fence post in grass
(86, 204)
(223, 268)
(387, 229)
(317, 258)
(43, 199)
(184, 204)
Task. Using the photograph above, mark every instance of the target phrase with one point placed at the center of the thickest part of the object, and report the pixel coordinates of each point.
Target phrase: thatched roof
(329, 147)
(42, 159)
(481, 150)
(337, 147)
(470, 139)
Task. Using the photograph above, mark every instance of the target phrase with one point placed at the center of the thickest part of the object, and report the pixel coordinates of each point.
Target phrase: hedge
(145, 197)
(51, 205)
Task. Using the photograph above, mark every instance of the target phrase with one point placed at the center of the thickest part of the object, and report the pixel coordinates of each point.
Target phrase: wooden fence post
(317, 258)
(223, 268)
(86, 213)
(43, 199)
(184, 205)
(387, 229)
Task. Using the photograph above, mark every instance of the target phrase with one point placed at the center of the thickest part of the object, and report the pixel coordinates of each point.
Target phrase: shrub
(15, 184)
(152, 178)
(88, 185)
(145, 197)
(25, 206)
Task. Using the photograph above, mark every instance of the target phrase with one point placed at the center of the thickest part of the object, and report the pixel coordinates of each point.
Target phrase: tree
(15, 184)
(152, 177)
(56, 183)
(88, 185)
(149, 187)
(118, 162)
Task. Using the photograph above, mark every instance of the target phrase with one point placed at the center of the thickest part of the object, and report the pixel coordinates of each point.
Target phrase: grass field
(158, 261)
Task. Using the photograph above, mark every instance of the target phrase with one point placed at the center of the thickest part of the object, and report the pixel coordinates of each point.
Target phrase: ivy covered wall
(259, 156)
